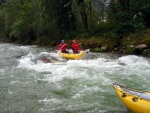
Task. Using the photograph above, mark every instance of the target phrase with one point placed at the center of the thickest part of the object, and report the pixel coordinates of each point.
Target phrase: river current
(73, 86)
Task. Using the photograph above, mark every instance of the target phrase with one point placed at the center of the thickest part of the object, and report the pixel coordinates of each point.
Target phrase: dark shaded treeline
(46, 22)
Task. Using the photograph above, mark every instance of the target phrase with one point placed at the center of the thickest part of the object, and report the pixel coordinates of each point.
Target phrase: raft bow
(135, 100)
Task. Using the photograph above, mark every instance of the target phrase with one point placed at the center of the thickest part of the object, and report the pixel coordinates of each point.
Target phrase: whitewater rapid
(79, 86)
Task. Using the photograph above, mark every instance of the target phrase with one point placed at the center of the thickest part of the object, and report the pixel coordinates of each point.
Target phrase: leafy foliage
(126, 16)
(29, 21)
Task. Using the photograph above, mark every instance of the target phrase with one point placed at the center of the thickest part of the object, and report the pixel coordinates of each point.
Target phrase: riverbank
(137, 44)
(133, 43)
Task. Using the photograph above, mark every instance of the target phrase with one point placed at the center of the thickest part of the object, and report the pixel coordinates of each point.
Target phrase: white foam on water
(134, 62)
(68, 84)
(85, 90)
(10, 92)
(50, 101)
(91, 69)
(59, 70)
(25, 48)
(2, 70)
(14, 82)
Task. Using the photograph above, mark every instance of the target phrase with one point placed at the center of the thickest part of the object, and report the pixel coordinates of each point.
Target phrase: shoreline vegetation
(117, 26)
(136, 44)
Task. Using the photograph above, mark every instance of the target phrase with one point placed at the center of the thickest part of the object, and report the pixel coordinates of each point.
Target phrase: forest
(96, 22)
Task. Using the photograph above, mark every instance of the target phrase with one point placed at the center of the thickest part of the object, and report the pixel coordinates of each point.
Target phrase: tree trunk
(83, 14)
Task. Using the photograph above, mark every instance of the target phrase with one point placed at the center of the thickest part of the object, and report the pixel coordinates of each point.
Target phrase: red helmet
(73, 41)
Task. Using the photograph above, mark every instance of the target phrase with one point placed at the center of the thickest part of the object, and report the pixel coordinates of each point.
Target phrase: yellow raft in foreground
(80, 55)
(135, 100)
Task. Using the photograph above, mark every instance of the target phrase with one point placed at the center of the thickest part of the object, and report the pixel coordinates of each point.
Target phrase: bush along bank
(137, 44)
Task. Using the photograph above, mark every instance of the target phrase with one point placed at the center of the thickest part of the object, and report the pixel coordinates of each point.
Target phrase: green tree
(125, 16)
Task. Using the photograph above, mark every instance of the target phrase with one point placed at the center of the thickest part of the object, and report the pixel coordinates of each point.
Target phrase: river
(72, 86)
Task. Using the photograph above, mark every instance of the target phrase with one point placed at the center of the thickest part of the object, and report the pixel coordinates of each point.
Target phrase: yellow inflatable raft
(135, 100)
(80, 55)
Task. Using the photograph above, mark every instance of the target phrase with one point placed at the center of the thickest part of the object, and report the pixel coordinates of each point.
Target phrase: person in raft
(75, 47)
(63, 46)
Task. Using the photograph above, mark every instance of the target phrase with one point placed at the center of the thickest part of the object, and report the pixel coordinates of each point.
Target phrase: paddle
(80, 46)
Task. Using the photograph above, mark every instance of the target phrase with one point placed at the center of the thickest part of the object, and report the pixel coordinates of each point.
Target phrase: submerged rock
(146, 52)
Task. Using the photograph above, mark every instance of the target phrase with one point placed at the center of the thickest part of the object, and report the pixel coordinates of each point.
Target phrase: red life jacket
(62, 46)
(75, 47)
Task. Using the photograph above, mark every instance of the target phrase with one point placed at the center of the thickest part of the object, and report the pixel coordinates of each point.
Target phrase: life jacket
(75, 47)
(62, 46)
